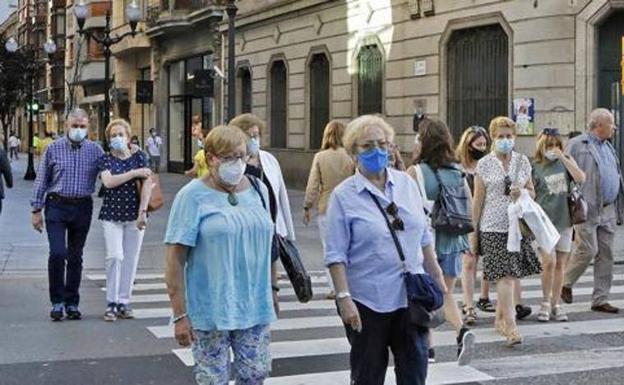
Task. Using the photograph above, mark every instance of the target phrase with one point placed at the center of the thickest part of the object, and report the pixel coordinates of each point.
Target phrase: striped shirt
(67, 169)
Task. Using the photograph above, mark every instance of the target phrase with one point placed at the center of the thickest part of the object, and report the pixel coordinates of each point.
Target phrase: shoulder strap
(254, 183)
(397, 243)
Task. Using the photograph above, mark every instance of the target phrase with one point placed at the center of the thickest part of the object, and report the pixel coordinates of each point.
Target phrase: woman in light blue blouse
(219, 274)
(364, 262)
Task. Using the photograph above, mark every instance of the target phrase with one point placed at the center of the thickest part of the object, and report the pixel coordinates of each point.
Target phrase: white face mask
(232, 172)
(550, 155)
(77, 134)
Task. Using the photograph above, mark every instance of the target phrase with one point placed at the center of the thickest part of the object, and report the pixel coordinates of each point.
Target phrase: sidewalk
(24, 251)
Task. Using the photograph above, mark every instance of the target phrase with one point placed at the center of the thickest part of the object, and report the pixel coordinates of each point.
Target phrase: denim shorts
(451, 264)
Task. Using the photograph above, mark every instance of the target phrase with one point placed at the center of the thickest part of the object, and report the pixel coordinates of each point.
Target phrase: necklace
(232, 198)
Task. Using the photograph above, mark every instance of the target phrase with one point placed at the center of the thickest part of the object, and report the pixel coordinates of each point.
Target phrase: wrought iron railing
(175, 7)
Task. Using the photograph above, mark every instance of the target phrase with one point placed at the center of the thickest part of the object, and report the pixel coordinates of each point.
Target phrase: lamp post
(105, 38)
(29, 66)
(231, 12)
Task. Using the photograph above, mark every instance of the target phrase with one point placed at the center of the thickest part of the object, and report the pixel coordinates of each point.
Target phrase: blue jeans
(67, 226)
(383, 331)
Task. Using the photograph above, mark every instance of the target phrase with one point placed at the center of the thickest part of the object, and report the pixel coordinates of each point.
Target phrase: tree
(13, 84)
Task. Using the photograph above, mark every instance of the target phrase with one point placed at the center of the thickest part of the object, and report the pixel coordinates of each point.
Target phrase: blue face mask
(253, 146)
(374, 160)
(504, 146)
(119, 143)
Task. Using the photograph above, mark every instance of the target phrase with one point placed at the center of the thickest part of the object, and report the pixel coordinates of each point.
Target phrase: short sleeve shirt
(494, 214)
(121, 204)
(228, 266)
(153, 145)
(552, 185)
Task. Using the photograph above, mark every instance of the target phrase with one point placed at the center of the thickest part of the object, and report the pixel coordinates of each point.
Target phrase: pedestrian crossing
(309, 347)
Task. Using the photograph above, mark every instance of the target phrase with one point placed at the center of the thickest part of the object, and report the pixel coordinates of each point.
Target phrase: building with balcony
(56, 32)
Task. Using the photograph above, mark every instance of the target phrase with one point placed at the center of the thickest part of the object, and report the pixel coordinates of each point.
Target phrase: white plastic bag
(546, 234)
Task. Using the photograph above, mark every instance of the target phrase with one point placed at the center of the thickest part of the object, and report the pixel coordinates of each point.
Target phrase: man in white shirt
(153, 145)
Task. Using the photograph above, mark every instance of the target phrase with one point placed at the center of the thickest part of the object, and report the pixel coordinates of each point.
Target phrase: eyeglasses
(397, 222)
(507, 182)
(231, 158)
(83, 126)
(366, 146)
(551, 131)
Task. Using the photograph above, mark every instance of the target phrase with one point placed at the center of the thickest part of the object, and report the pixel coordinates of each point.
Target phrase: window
(244, 90)
(278, 104)
(319, 98)
(370, 80)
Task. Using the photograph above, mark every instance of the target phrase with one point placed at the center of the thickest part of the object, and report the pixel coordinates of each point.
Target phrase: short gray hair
(357, 129)
(77, 113)
(598, 116)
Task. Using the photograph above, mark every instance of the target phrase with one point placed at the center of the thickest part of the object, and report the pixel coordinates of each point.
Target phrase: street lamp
(231, 12)
(133, 15)
(29, 67)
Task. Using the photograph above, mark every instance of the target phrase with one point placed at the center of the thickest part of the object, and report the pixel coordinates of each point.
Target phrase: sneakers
(544, 312)
(522, 311)
(57, 312)
(470, 315)
(72, 312)
(431, 355)
(559, 314)
(110, 314)
(124, 312)
(485, 305)
(465, 346)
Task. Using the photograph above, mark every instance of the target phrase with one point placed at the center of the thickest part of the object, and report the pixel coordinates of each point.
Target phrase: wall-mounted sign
(144, 91)
(524, 116)
(420, 68)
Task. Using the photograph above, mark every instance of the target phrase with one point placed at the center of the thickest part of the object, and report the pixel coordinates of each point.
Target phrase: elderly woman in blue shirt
(364, 262)
(219, 274)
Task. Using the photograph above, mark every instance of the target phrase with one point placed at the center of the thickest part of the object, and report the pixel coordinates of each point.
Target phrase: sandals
(544, 312)
(485, 305)
(470, 315)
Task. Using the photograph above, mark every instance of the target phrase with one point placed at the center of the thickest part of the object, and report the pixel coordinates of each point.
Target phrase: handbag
(424, 296)
(156, 199)
(288, 254)
(577, 205)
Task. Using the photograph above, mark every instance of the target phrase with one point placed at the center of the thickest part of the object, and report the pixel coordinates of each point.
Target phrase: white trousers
(322, 225)
(123, 245)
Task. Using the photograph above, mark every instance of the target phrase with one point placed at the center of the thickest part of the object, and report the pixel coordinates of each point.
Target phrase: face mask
(476, 154)
(232, 172)
(504, 146)
(119, 143)
(374, 160)
(77, 134)
(550, 155)
(253, 146)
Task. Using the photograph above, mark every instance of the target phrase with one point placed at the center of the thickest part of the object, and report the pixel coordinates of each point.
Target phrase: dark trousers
(369, 348)
(67, 225)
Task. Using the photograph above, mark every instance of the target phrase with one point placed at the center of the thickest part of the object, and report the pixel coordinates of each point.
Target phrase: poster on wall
(524, 115)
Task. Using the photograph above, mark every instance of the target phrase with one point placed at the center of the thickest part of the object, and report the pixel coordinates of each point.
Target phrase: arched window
(244, 90)
(477, 77)
(319, 98)
(370, 80)
(279, 104)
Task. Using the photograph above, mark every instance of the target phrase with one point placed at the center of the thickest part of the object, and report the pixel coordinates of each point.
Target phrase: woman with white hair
(364, 260)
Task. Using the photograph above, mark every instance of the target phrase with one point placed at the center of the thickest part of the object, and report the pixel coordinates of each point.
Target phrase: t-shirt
(228, 267)
(121, 204)
(200, 163)
(552, 185)
(153, 145)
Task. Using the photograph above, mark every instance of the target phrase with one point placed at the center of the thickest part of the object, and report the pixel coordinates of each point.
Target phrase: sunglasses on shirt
(397, 223)
(551, 132)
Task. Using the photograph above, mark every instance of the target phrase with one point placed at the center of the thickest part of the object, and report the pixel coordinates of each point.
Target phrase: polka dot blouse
(121, 204)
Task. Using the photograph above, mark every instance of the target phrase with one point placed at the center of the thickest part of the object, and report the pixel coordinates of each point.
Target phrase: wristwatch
(343, 295)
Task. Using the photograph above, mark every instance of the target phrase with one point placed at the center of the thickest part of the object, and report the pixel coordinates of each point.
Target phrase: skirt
(499, 263)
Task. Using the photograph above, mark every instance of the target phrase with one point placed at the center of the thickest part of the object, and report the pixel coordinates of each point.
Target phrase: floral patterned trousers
(252, 359)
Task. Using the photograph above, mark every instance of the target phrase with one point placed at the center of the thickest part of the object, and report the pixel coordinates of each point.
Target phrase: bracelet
(275, 288)
(180, 318)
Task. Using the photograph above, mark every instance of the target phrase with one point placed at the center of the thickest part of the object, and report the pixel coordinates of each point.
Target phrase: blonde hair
(501, 122)
(118, 122)
(247, 121)
(470, 135)
(332, 135)
(356, 129)
(544, 142)
(223, 140)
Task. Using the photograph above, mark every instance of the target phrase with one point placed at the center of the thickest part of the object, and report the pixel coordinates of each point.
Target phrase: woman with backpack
(474, 144)
(501, 176)
(553, 172)
(441, 173)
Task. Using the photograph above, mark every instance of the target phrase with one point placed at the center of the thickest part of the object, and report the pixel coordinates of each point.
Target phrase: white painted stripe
(139, 276)
(151, 298)
(438, 374)
(308, 348)
(163, 312)
(185, 355)
(576, 291)
(281, 324)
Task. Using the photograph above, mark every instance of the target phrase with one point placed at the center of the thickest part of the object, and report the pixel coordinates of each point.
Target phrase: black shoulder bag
(424, 296)
(288, 253)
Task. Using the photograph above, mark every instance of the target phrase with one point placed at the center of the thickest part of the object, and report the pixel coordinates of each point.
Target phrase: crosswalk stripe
(315, 275)
(283, 284)
(317, 347)
(151, 298)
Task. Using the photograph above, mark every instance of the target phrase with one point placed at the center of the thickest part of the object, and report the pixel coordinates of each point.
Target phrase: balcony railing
(173, 8)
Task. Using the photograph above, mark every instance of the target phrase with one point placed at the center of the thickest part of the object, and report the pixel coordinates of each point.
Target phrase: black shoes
(465, 346)
(57, 312)
(522, 311)
(73, 313)
(566, 294)
(431, 353)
